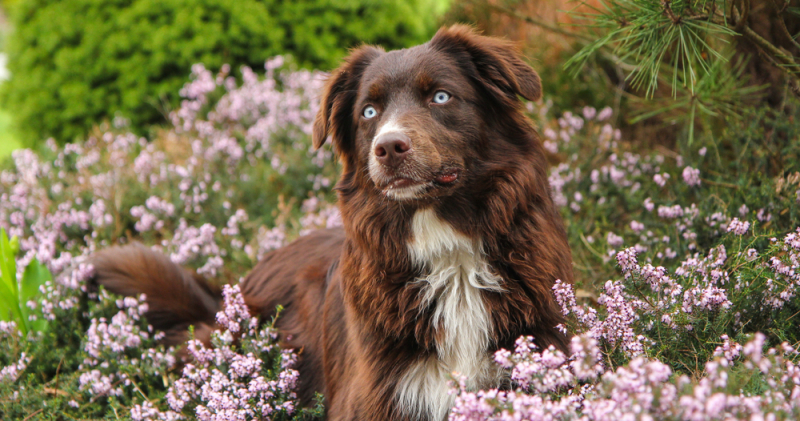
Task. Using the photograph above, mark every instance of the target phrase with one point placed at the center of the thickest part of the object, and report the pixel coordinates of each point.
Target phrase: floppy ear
(335, 116)
(498, 62)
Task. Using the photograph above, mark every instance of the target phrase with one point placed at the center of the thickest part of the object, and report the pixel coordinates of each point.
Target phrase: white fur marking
(410, 192)
(457, 272)
(390, 126)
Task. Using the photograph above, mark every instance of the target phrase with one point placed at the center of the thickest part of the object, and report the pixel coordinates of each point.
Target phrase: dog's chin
(402, 188)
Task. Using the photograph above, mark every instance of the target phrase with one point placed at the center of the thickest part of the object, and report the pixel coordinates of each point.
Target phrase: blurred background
(69, 66)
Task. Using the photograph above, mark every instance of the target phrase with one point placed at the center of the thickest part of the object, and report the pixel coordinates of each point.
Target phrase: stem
(782, 24)
(33, 414)
(670, 14)
(539, 23)
(720, 184)
(742, 23)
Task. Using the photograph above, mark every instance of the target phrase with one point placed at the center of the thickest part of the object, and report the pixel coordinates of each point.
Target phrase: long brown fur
(352, 306)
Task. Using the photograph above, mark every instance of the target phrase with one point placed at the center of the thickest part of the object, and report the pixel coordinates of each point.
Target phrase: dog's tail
(176, 297)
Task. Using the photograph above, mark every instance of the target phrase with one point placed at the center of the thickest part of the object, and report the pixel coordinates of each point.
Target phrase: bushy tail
(176, 297)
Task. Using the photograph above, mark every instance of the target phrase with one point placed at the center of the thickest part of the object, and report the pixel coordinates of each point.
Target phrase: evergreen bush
(77, 63)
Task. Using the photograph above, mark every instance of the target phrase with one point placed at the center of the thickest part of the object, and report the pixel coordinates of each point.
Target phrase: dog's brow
(375, 92)
(424, 81)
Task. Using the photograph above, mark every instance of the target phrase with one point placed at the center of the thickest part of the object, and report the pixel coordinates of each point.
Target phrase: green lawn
(8, 142)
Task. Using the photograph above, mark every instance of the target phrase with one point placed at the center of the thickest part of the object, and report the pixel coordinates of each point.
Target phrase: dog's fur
(447, 254)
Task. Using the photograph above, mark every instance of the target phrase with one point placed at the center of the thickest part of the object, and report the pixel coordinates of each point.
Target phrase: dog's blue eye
(370, 112)
(441, 97)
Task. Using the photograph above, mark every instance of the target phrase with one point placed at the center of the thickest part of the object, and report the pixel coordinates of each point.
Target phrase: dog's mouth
(406, 188)
(446, 177)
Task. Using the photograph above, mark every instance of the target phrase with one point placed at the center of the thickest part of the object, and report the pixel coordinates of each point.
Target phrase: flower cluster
(115, 351)
(233, 379)
(11, 372)
(551, 386)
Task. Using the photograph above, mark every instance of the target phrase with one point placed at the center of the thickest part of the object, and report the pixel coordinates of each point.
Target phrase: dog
(450, 244)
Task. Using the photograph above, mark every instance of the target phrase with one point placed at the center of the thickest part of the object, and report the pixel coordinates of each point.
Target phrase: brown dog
(450, 247)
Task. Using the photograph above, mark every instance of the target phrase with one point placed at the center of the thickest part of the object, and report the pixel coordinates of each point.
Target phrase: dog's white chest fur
(456, 273)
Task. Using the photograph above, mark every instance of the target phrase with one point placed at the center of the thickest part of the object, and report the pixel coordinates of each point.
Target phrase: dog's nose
(392, 148)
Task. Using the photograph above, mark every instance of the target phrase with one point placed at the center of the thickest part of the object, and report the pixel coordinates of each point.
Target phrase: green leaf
(7, 303)
(9, 290)
(36, 274)
(8, 266)
(14, 243)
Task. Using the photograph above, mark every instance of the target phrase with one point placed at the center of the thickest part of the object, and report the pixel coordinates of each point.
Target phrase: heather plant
(215, 193)
(696, 273)
(686, 264)
(552, 386)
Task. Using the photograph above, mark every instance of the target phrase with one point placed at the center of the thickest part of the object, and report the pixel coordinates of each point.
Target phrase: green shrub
(76, 63)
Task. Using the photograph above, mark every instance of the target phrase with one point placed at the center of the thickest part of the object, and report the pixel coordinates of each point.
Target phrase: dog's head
(417, 124)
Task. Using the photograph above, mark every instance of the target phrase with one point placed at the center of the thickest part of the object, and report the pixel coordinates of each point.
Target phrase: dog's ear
(335, 116)
(498, 62)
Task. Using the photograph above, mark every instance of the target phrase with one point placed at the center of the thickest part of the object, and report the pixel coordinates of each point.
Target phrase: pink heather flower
(233, 310)
(271, 239)
(763, 215)
(793, 240)
(743, 210)
(604, 114)
(13, 371)
(738, 227)
(614, 240)
(571, 122)
(661, 179)
(586, 357)
(637, 226)
(627, 261)
(589, 112)
(691, 176)
(649, 205)
(730, 350)
(670, 212)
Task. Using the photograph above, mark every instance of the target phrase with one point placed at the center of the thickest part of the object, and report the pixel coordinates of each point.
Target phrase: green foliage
(8, 139)
(15, 295)
(686, 44)
(653, 34)
(77, 63)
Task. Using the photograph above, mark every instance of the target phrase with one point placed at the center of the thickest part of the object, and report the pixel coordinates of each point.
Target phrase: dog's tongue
(447, 178)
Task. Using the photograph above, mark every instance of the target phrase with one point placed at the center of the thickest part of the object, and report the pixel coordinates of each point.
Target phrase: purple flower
(614, 240)
(738, 227)
(691, 176)
(661, 179)
(605, 114)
